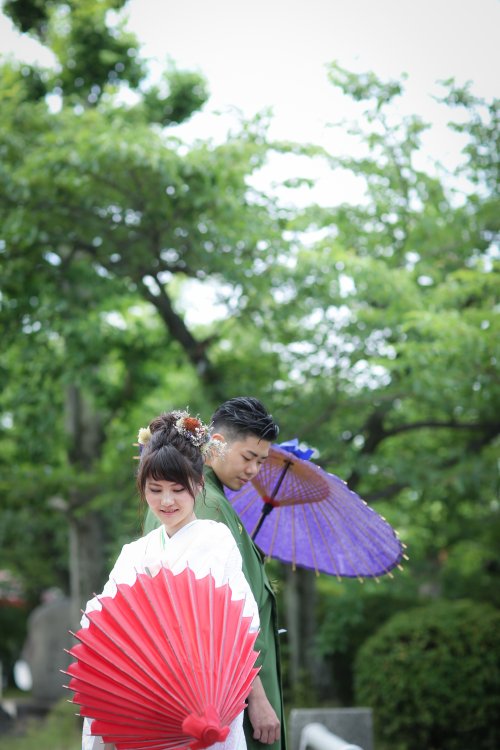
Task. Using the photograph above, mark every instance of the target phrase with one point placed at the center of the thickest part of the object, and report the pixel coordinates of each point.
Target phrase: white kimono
(207, 547)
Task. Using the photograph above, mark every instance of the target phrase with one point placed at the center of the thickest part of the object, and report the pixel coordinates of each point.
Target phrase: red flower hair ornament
(199, 434)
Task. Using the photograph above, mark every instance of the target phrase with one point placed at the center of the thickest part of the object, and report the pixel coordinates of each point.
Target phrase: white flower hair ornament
(144, 436)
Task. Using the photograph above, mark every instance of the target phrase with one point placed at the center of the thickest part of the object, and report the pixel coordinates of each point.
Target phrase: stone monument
(48, 636)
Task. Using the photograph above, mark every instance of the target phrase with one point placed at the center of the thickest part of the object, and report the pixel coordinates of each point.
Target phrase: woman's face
(171, 503)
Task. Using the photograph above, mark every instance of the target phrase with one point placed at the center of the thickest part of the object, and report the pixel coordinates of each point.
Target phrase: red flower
(191, 424)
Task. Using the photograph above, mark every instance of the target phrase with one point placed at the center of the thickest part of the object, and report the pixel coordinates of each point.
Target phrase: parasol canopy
(300, 514)
(167, 663)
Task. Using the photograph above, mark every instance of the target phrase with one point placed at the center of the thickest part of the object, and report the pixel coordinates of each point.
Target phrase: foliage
(390, 329)
(179, 94)
(96, 55)
(104, 217)
(371, 330)
(470, 566)
(60, 730)
(90, 51)
(432, 677)
(28, 15)
(347, 617)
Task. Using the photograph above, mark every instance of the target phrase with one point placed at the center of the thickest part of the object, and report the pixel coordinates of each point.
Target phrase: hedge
(432, 678)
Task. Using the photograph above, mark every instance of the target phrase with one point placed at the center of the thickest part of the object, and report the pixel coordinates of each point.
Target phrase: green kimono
(216, 507)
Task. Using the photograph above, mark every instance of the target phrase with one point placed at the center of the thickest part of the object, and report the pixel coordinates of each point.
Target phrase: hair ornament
(214, 447)
(198, 433)
(144, 436)
(192, 428)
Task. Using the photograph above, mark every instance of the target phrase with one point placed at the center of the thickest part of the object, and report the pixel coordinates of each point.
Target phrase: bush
(432, 677)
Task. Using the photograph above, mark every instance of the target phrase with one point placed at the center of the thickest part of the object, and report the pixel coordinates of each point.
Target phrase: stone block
(354, 725)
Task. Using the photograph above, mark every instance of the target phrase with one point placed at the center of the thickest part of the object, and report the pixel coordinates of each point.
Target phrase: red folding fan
(167, 663)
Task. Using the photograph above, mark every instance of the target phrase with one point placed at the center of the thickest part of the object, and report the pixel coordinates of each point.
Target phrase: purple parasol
(300, 514)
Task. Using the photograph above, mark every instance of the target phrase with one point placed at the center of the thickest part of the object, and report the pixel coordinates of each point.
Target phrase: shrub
(432, 677)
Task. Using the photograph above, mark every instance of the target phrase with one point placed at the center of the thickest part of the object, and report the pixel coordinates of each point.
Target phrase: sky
(273, 54)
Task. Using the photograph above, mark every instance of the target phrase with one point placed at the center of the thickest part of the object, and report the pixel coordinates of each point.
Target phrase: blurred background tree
(370, 330)
(390, 331)
(101, 212)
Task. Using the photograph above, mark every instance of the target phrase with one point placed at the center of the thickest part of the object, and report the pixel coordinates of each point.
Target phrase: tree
(389, 323)
(389, 327)
(101, 213)
(376, 343)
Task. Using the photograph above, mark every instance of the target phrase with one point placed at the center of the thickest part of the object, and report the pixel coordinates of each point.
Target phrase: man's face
(241, 461)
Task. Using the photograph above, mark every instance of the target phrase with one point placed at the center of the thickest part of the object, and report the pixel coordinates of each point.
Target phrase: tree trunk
(86, 557)
(300, 605)
(291, 599)
(86, 560)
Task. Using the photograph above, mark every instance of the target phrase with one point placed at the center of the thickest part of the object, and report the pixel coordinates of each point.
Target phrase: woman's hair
(243, 416)
(170, 456)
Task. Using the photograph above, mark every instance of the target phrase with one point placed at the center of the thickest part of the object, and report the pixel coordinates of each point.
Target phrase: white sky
(272, 53)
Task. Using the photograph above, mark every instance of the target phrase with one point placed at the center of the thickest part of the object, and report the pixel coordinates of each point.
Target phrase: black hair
(169, 456)
(243, 416)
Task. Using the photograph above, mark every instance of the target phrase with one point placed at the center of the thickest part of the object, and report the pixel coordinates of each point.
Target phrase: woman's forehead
(158, 479)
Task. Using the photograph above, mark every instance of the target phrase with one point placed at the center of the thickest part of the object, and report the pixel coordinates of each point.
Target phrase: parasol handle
(206, 729)
(268, 501)
(265, 512)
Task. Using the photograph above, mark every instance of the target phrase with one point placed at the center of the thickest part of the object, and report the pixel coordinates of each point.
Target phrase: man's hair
(243, 416)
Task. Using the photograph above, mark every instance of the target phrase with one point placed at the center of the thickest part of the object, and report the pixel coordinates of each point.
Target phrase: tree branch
(452, 425)
(194, 349)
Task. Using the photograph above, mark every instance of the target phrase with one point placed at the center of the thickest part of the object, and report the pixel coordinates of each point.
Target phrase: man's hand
(263, 718)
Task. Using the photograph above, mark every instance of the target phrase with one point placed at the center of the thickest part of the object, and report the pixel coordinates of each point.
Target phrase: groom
(248, 430)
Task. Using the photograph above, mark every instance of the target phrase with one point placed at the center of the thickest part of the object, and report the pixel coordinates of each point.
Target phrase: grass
(60, 730)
